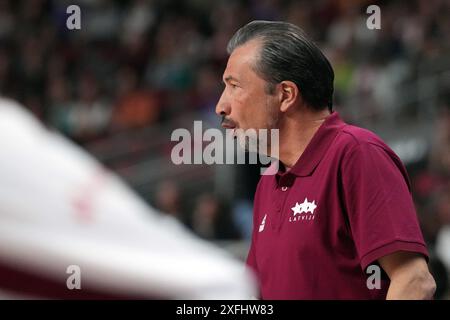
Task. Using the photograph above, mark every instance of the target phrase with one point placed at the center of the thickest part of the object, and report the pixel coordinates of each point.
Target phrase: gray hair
(287, 54)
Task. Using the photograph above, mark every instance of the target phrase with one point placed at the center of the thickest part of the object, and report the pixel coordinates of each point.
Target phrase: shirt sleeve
(379, 204)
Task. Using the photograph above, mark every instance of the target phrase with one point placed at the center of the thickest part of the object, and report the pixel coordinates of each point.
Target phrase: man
(340, 201)
(70, 229)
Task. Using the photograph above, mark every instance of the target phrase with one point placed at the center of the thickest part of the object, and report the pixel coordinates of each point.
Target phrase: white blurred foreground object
(60, 208)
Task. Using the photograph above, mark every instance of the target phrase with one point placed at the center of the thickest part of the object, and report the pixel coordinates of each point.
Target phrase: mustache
(227, 122)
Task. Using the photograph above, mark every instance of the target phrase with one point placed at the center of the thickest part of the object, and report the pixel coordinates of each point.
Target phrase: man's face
(244, 103)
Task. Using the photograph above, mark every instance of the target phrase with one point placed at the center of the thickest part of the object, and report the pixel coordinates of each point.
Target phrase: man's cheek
(240, 99)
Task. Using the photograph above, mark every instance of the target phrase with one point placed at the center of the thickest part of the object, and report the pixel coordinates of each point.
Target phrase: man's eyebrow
(230, 78)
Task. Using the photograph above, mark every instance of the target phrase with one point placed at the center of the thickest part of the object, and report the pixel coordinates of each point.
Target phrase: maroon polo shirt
(343, 205)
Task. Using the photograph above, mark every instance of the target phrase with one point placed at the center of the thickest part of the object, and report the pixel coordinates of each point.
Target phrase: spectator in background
(7, 20)
(440, 154)
(32, 73)
(176, 52)
(206, 92)
(168, 199)
(102, 20)
(60, 104)
(90, 114)
(211, 220)
(136, 107)
(139, 18)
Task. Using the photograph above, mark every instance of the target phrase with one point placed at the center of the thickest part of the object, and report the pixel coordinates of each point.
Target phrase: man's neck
(296, 133)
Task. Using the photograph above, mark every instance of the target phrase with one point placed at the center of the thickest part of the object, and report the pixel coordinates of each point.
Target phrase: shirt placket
(282, 189)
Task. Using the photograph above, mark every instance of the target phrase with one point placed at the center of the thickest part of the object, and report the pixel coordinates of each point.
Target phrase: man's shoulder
(352, 137)
(363, 144)
(356, 135)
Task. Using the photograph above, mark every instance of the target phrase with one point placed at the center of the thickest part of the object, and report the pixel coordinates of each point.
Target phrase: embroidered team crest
(303, 211)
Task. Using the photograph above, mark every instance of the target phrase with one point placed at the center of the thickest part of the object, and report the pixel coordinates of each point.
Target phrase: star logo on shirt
(305, 207)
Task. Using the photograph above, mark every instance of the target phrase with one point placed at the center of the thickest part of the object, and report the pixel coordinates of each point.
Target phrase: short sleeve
(379, 204)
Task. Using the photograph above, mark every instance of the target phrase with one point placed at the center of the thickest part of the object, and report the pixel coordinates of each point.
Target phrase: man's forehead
(242, 58)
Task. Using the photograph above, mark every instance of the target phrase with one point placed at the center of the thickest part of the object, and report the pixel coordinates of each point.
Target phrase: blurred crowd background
(139, 69)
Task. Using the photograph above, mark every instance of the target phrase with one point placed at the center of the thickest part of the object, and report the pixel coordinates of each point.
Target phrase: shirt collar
(316, 148)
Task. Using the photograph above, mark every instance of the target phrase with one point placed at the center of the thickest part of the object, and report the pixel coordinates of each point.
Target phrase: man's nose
(223, 107)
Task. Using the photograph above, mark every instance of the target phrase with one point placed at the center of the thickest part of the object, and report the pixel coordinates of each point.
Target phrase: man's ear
(289, 94)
